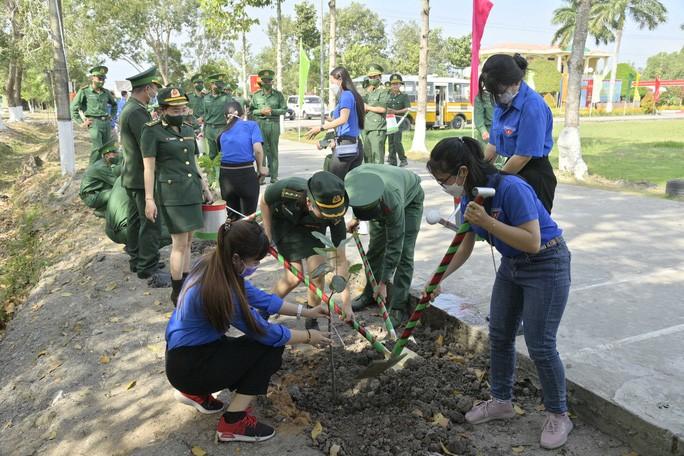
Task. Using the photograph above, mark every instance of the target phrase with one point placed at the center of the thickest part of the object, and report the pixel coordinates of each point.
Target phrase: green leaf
(355, 268)
(321, 251)
(338, 284)
(323, 238)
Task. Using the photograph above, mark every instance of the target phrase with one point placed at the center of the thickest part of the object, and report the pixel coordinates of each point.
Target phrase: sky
(519, 21)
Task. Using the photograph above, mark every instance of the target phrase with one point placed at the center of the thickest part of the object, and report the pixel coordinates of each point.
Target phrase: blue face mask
(248, 271)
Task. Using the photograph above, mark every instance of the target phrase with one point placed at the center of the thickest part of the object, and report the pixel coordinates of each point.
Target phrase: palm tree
(569, 144)
(418, 144)
(566, 18)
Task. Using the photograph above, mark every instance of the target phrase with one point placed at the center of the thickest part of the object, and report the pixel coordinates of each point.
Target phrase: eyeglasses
(443, 182)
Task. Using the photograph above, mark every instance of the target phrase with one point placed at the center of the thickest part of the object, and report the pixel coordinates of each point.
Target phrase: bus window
(431, 91)
(459, 92)
(411, 91)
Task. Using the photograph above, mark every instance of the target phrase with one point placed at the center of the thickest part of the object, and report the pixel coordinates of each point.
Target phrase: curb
(647, 438)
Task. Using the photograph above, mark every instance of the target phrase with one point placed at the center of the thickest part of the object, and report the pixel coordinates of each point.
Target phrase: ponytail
(502, 70)
(450, 154)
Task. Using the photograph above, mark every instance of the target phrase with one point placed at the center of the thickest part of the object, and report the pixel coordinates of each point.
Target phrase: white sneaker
(556, 430)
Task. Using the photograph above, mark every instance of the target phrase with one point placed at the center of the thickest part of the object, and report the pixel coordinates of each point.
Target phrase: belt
(552, 243)
(237, 165)
(98, 117)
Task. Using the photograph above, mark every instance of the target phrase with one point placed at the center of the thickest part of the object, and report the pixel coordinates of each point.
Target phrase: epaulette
(152, 123)
(288, 193)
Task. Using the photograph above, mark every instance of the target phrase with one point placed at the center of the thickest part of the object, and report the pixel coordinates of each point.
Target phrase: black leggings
(236, 363)
(341, 166)
(538, 172)
(240, 190)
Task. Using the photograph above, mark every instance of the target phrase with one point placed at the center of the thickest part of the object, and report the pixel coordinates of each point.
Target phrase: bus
(448, 100)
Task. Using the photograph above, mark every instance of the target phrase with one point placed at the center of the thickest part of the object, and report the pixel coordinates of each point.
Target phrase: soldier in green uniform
(94, 107)
(392, 199)
(214, 111)
(196, 97)
(294, 208)
(99, 178)
(266, 107)
(171, 173)
(143, 235)
(398, 104)
(375, 126)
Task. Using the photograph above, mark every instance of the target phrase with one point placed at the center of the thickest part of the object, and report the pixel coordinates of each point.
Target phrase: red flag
(481, 9)
(656, 92)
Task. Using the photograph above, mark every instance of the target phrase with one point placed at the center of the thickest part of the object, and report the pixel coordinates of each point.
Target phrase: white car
(310, 108)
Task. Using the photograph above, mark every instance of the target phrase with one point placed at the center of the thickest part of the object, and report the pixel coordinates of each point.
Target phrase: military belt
(98, 117)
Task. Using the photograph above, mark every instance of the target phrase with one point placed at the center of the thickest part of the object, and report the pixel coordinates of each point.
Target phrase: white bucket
(214, 215)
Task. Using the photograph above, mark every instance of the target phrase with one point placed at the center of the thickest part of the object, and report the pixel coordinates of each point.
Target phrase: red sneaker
(248, 429)
(206, 404)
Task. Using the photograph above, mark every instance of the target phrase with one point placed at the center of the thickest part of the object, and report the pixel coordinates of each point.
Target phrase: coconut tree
(566, 18)
(419, 133)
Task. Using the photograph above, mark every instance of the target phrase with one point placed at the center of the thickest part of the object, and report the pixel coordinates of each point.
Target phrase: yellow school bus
(448, 101)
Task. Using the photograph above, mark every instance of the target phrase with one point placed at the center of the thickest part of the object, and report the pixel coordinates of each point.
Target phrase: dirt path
(82, 372)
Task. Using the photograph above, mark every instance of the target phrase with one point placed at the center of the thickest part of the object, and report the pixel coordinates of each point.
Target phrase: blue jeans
(534, 289)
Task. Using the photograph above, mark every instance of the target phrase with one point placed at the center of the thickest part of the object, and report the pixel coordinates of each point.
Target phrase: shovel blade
(396, 363)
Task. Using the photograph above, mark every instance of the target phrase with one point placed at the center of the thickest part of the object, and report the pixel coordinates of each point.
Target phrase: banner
(304, 63)
(481, 9)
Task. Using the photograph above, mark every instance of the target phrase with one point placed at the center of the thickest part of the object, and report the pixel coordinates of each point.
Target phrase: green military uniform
(392, 199)
(214, 112)
(397, 101)
(267, 97)
(291, 220)
(143, 235)
(178, 182)
(483, 113)
(98, 180)
(196, 97)
(98, 105)
(375, 125)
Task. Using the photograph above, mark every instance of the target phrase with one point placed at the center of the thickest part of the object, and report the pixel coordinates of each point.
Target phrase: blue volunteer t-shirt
(525, 127)
(515, 203)
(189, 326)
(351, 128)
(236, 143)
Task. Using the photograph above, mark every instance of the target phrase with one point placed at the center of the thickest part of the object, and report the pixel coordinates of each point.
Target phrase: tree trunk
(332, 50)
(613, 70)
(244, 63)
(15, 68)
(61, 90)
(569, 144)
(419, 132)
(279, 47)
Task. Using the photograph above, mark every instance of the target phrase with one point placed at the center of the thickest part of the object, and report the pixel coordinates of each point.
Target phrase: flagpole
(321, 70)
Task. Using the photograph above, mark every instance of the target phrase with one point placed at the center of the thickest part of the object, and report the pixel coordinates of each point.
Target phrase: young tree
(279, 46)
(569, 143)
(419, 133)
(332, 38)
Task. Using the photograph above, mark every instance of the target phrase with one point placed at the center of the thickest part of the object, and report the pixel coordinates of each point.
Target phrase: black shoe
(361, 302)
(392, 162)
(403, 164)
(160, 265)
(311, 323)
(159, 280)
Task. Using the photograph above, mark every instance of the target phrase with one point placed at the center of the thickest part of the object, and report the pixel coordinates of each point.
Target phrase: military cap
(365, 192)
(148, 76)
(266, 74)
(110, 146)
(171, 96)
(216, 77)
(326, 191)
(374, 69)
(99, 70)
(387, 83)
(197, 78)
(396, 77)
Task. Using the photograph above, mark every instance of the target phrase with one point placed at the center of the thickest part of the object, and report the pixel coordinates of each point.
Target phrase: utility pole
(321, 68)
(65, 130)
(332, 51)
(279, 56)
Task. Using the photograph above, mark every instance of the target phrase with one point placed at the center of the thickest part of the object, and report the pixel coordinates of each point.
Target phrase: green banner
(304, 64)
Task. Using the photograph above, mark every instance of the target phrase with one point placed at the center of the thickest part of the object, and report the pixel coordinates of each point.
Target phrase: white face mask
(335, 89)
(454, 190)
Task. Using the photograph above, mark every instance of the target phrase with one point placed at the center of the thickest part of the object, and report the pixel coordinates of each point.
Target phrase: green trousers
(270, 131)
(374, 146)
(211, 134)
(143, 236)
(100, 132)
(401, 283)
(395, 147)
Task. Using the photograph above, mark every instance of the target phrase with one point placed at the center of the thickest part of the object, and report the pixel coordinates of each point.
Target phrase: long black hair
(219, 281)
(341, 74)
(502, 70)
(450, 154)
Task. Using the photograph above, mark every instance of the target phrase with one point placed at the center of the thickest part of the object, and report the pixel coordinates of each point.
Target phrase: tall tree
(569, 143)
(332, 43)
(279, 45)
(419, 133)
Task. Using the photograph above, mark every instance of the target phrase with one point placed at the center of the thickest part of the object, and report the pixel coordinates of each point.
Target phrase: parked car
(310, 108)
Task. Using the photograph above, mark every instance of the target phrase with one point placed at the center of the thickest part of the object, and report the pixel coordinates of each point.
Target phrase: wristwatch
(299, 311)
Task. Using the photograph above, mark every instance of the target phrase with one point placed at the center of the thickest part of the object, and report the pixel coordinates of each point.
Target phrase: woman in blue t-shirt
(240, 144)
(531, 285)
(347, 120)
(201, 359)
(522, 126)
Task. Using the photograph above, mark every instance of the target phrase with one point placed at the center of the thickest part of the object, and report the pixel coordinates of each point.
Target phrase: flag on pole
(304, 63)
(636, 87)
(481, 9)
(656, 91)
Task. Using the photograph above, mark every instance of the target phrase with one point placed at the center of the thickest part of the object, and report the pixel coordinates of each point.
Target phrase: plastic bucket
(213, 215)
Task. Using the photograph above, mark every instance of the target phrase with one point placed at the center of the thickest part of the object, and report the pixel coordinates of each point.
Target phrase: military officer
(398, 104)
(196, 97)
(266, 107)
(375, 126)
(214, 111)
(171, 173)
(391, 199)
(99, 178)
(94, 107)
(143, 235)
(295, 207)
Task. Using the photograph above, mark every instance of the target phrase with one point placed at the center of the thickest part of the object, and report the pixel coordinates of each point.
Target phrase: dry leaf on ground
(518, 449)
(131, 385)
(440, 420)
(104, 359)
(197, 451)
(316, 431)
(518, 410)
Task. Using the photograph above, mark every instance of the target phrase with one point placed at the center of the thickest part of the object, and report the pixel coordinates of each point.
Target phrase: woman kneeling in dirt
(531, 285)
(201, 359)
